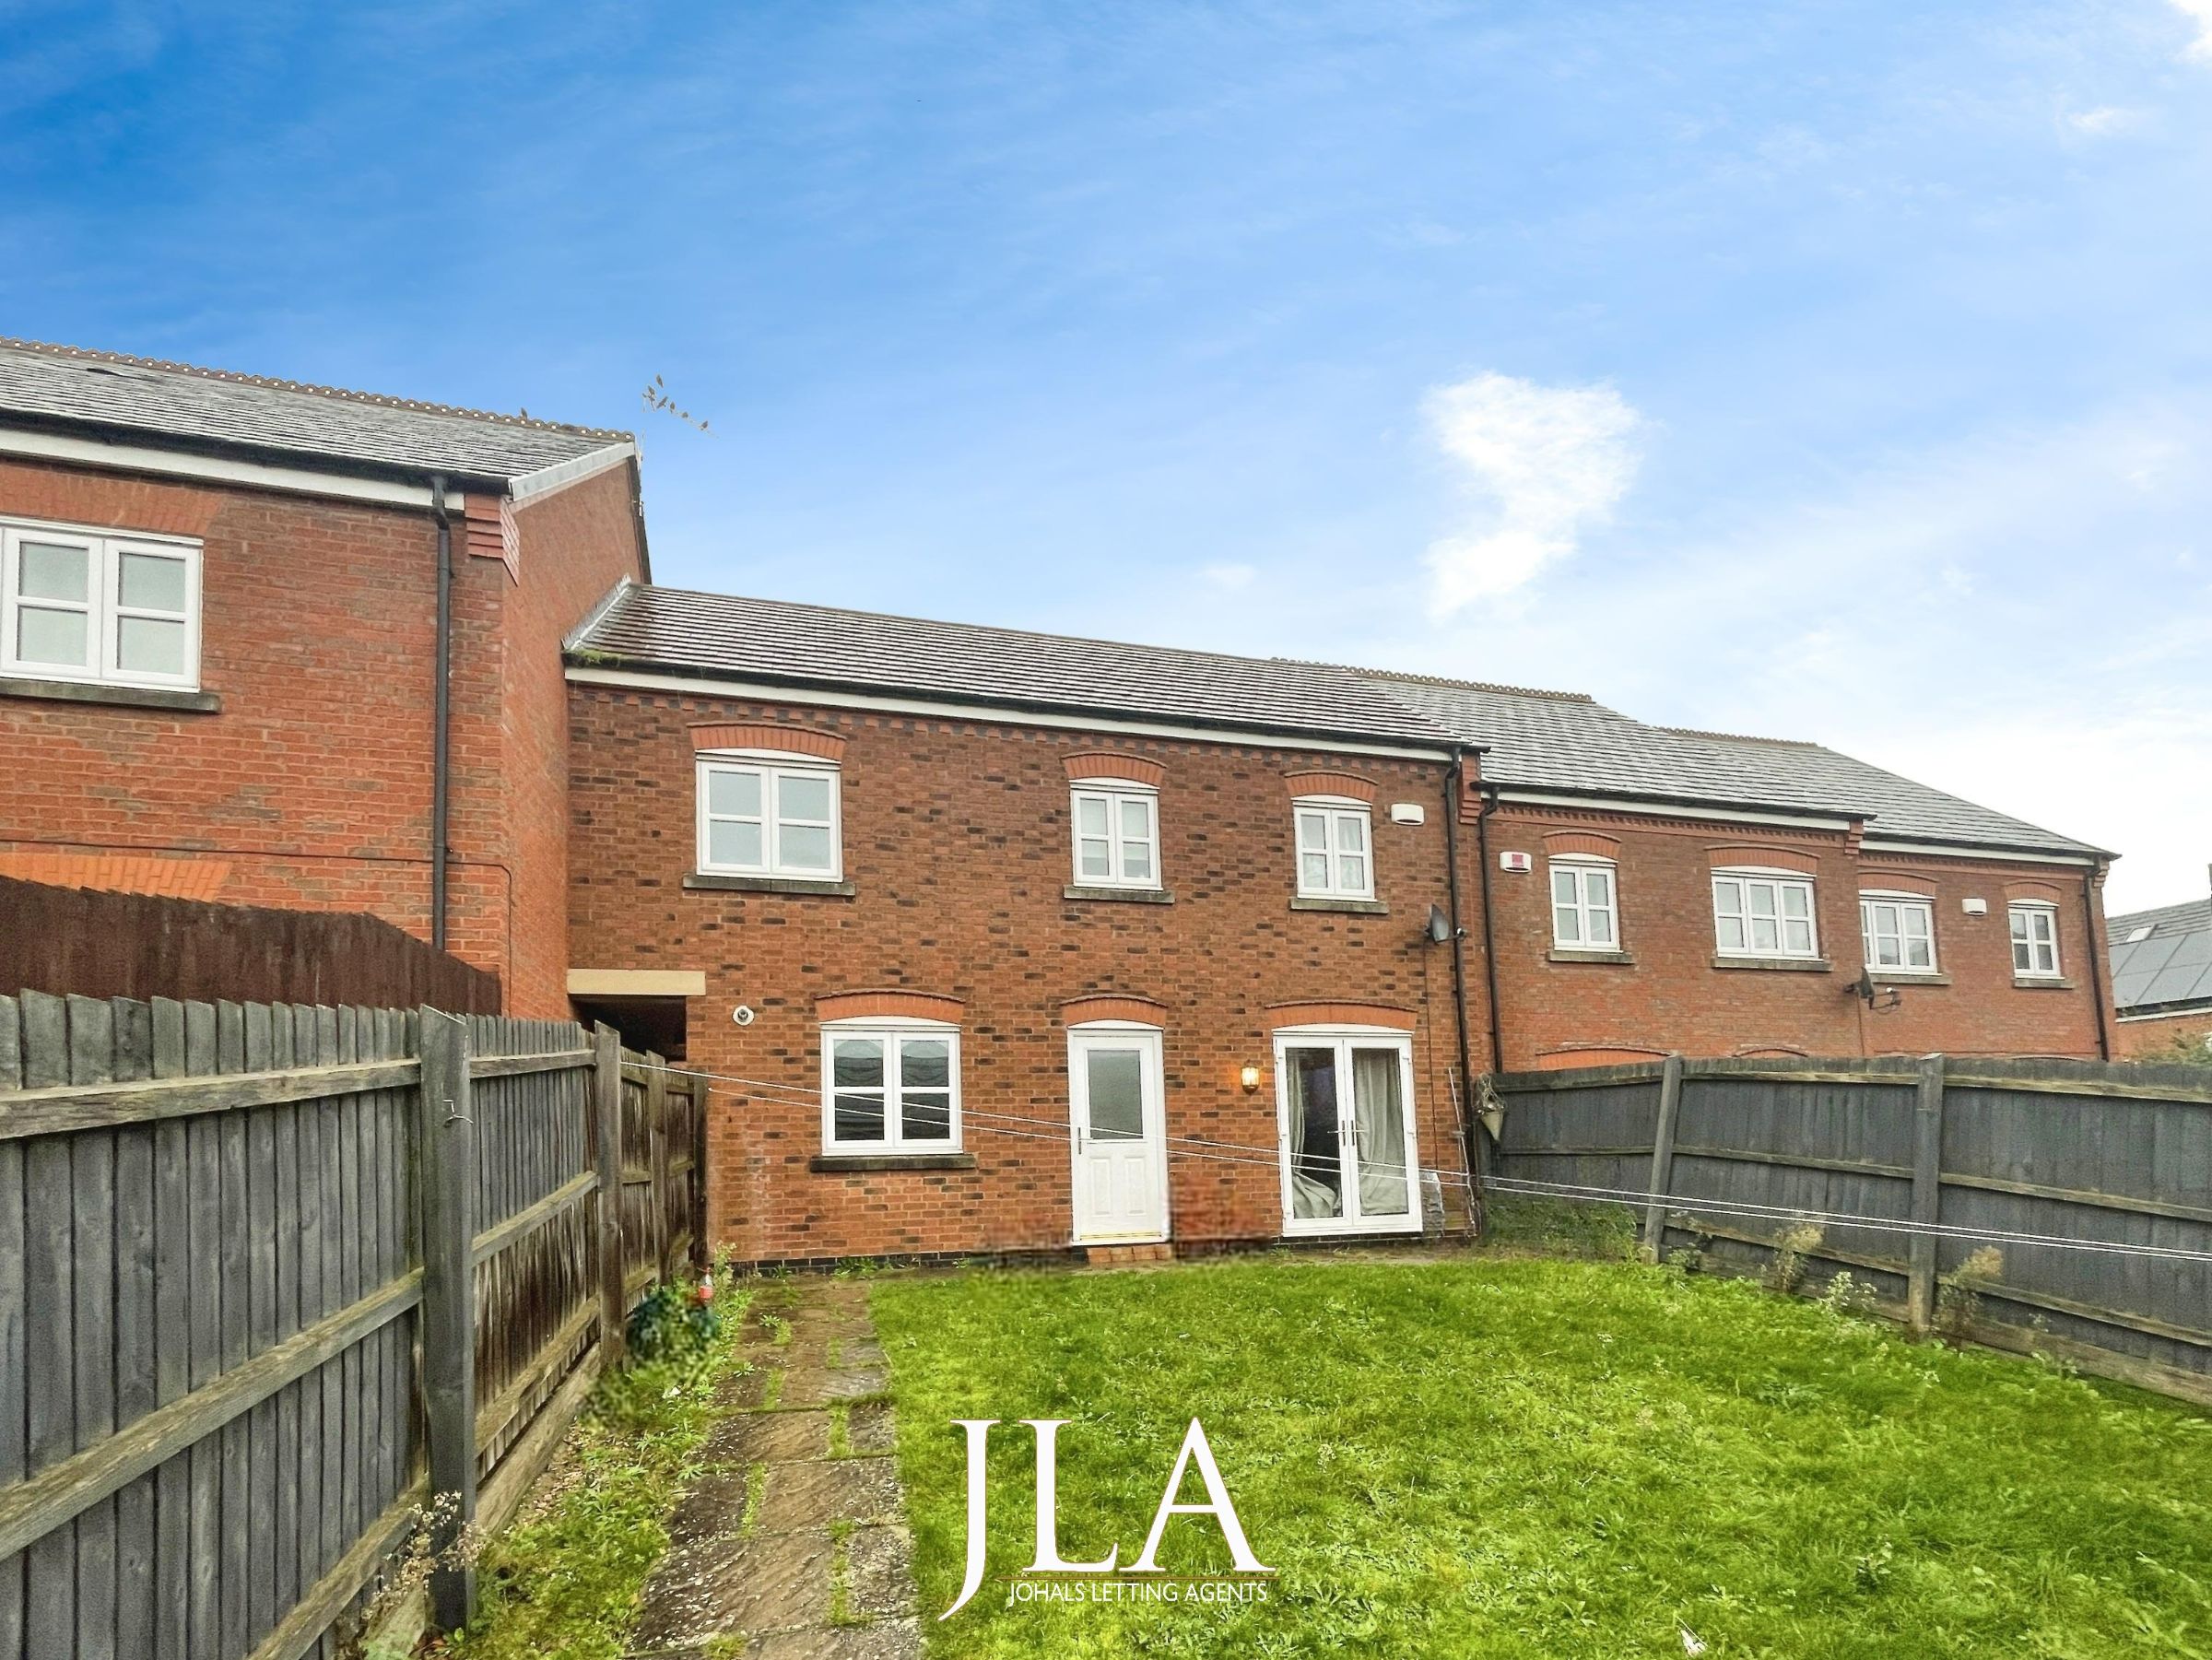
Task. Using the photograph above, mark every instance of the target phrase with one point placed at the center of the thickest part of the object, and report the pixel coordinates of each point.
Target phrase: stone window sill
(121, 697)
(1788, 965)
(1898, 977)
(866, 1163)
(2041, 982)
(1575, 954)
(1350, 907)
(1123, 896)
(707, 882)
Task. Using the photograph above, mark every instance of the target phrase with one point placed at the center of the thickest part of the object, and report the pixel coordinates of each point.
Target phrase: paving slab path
(791, 1543)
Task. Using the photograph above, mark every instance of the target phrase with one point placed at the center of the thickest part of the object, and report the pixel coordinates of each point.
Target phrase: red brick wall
(1568, 1013)
(2154, 1040)
(575, 545)
(311, 787)
(956, 839)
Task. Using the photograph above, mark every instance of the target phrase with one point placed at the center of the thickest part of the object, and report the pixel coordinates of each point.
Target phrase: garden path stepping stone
(776, 1536)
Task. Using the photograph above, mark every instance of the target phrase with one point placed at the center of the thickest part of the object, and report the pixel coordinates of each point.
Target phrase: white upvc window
(1898, 932)
(1763, 914)
(890, 1086)
(1117, 833)
(768, 816)
(1585, 904)
(1336, 848)
(2034, 939)
(115, 610)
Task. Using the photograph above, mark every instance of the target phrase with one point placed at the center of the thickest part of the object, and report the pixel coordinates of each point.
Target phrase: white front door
(1119, 1123)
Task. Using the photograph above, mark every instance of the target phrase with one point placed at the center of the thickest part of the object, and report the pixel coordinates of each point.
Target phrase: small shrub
(1786, 1274)
(674, 1320)
(1958, 1302)
(1846, 1295)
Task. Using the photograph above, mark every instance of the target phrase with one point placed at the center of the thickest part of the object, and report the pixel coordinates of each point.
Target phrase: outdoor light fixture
(1439, 925)
(1250, 1078)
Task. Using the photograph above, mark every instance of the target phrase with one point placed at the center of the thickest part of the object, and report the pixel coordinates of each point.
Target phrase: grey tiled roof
(2171, 965)
(719, 634)
(112, 394)
(1561, 741)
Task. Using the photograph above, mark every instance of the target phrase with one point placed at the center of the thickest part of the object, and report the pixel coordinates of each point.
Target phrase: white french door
(1118, 1125)
(1344, 1100)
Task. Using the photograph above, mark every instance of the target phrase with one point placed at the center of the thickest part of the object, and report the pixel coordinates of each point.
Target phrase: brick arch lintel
(1115, 763)
(767, 734)
(1314, 780)
(876, 1005)
(1590, 843)
(1764, 854)
(1280, 1015)
(1896, 881)
(1113, 1005)
(2028, 888)
(1596, 1055)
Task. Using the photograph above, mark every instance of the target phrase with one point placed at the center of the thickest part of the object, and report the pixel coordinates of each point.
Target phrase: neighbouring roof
(1548, 740)
(107, 394)
(1558, 741)
(2161, 958)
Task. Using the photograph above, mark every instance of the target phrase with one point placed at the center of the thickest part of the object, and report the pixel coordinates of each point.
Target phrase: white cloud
(1543, 463)
(2103, 122)
(1230, 579)
(2200, 13)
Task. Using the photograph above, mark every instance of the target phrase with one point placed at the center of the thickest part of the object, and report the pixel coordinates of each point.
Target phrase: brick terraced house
(2162, 979)
(223, 656)
(993, 941)
(999, 941)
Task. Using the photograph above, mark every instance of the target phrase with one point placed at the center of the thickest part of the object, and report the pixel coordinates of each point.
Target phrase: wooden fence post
(1663, 1157)
(700, 1254)
(656, 1117)
(448, 1140)
(607, 1113)
(1927, 1195)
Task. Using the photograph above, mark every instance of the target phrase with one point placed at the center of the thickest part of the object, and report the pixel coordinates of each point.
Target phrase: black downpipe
(1470, 1125)
(2096, 955)
(441, 784)
(1489, 931)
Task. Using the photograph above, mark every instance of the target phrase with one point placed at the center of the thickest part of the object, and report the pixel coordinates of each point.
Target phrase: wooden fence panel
(2040, 1163)
(211, 1423)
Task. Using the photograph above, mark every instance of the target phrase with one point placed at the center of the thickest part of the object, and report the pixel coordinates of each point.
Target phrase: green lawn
(1490, 1457)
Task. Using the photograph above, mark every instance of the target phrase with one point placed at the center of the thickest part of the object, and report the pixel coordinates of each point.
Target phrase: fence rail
(2091, 1183)
(269, 1274)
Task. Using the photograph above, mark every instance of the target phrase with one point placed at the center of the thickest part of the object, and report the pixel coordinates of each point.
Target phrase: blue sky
(1825, 371)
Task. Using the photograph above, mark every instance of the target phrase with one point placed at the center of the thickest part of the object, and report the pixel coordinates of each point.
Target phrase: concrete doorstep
(792, 1544)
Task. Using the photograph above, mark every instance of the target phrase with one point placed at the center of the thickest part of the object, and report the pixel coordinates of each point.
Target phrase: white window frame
(2029, 911)
(1343, 1040)
(1579, 867)
(1115, 793)
(103, 606)
(1333, 814)
(771, 767)
(893, 1031)
(1745, 879)
(1872, 900)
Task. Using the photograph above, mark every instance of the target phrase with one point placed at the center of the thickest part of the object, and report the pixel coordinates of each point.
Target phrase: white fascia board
(996, 714)
(1979, 855)
(2195, 1012)
(1657, 809)
(185, 463)
(546, 481)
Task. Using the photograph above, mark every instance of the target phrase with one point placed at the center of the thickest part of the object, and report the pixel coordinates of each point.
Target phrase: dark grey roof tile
(113, 394)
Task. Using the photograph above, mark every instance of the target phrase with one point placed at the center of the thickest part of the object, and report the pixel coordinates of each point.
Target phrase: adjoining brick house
(1001, 941)
(2162, 977)
(219, 647)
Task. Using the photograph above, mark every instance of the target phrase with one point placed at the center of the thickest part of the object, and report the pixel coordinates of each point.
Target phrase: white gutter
(1986, 856)
(185, 463)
